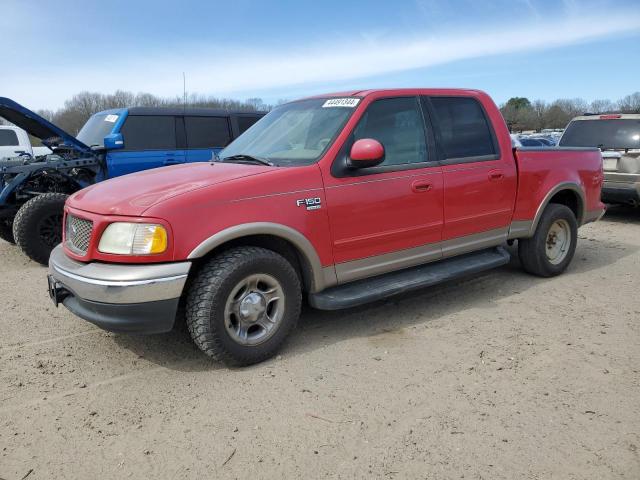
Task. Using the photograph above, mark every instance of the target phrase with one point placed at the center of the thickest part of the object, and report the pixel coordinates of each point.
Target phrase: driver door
(390, 216)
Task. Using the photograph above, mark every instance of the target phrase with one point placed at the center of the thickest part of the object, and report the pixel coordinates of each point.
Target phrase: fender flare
(577, 189)
(321, 277)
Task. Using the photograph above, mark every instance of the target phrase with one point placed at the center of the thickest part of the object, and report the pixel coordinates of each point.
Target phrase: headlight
(133, 239)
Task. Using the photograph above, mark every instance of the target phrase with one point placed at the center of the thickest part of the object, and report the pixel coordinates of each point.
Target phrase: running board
(377, 288)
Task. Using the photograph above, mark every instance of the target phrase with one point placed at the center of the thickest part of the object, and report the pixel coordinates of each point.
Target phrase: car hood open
(38, 127)
(132, 194)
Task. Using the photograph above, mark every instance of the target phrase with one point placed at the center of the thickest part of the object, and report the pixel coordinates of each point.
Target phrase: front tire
(243, 304)
(6, 230)
(37, 227)
(550, 251)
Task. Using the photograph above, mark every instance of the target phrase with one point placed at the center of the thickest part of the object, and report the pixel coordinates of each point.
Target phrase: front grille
(78, 234)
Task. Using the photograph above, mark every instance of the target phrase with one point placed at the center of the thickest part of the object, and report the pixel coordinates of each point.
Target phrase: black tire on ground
(6, 230)
(212, 293)
(535, 252)
(37, 227)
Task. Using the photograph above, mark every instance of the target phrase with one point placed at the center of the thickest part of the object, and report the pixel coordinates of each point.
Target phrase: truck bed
(541, 170)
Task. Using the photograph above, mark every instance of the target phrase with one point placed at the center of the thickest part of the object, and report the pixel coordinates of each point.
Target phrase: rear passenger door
(479, 183)
(206, 136)
(149, 142)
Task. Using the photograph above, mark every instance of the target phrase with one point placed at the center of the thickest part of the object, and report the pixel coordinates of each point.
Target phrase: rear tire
(6, 230)
(37, 227)
(243, 304)
(550, 251)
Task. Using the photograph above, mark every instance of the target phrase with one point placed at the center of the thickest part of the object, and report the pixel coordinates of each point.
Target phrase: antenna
(184, 93)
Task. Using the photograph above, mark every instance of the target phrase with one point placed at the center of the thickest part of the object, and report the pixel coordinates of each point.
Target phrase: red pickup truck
(346, 198)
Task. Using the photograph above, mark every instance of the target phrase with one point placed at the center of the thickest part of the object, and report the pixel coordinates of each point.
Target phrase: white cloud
(244, 73)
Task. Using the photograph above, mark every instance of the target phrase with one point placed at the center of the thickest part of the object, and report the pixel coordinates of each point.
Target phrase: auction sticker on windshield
(341, 102)
(111, 118)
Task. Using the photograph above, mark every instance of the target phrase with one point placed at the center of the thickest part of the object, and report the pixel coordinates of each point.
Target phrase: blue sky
(287, 49)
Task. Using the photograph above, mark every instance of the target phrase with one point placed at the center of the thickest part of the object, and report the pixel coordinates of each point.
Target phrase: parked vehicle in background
(618, 136)
(515, 140)
(346, 198)
(14, 142)
(546, 142)
(532, 142)
(110, 144)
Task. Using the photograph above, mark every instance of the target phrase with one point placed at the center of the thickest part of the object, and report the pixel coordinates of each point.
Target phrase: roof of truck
(400, 91)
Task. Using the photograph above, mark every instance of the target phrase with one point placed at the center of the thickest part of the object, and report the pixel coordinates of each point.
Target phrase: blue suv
(112, 143)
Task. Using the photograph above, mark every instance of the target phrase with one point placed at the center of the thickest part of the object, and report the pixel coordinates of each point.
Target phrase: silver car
(618, 136)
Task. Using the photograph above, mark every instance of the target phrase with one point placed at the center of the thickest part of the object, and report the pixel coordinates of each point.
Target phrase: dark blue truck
(112, 143)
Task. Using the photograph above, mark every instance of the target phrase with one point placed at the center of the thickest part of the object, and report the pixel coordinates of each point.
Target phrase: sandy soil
(503, 376)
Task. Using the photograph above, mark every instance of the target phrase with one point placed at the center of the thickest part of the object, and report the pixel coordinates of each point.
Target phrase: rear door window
(8, 138)
(464, 131)
(149, 132)
(207, 132)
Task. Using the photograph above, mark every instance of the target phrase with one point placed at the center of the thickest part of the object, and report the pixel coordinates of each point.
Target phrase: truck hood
(38, 127)
(132, 194)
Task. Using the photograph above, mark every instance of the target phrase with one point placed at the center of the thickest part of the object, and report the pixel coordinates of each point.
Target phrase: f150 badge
(311, 203)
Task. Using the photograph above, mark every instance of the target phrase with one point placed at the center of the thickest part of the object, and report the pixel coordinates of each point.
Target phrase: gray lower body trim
(477, 241)
(118, 283)
(389, 262)
(142, 318)
(594, 215)
(520, 229)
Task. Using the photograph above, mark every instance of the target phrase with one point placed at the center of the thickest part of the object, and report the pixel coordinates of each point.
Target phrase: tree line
(522, 114)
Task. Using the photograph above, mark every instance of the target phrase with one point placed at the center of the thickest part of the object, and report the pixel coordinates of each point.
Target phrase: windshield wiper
(248, 159)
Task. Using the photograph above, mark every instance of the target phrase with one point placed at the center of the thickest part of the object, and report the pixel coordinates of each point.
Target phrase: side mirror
(113, 141)
(366, 152)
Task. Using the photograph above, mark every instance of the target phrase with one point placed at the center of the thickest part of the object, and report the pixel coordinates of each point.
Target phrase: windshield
(97, 127)
(296, 133)
(619, 133)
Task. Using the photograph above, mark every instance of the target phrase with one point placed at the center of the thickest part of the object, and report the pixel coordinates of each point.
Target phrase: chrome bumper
(118, 297)
(119, 283)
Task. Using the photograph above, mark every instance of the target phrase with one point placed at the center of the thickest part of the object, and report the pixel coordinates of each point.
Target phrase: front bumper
(118, 297)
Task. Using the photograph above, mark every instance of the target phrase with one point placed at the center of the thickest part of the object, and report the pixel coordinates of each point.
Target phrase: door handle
(496, 175)
(420, 186)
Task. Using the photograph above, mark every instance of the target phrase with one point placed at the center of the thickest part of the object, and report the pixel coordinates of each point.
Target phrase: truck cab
(141, 138)
(14, 141)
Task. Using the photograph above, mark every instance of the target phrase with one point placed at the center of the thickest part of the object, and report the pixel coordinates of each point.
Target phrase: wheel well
(570, 199)
(276, 244)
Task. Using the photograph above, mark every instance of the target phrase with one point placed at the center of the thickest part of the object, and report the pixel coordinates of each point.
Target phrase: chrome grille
(78, 234)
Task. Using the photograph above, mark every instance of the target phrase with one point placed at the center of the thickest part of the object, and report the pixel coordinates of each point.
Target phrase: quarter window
(207, 132)
(149, 132)
(397, 124)
(464, 130)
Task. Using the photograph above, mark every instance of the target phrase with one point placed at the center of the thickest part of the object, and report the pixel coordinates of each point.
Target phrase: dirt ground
(502, 376)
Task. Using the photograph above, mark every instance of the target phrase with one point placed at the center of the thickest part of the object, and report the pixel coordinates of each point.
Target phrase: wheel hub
(252, 307)
(558, 241)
